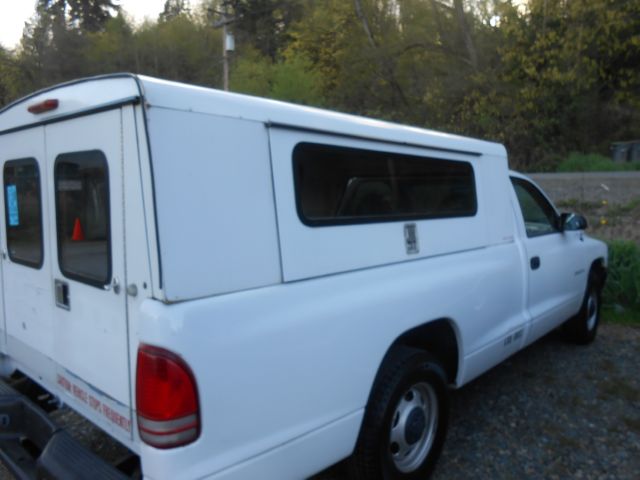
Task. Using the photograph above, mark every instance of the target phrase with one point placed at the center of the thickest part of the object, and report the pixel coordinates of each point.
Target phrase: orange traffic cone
(78, 233)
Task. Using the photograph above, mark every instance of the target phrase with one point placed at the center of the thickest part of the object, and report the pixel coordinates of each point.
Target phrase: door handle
(62, 294)
(535, 263)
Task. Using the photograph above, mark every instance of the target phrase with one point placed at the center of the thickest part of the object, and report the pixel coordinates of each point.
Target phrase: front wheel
(582, 328)
(405, 420)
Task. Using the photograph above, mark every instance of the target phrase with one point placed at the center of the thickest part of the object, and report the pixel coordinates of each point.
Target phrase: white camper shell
(149, 221)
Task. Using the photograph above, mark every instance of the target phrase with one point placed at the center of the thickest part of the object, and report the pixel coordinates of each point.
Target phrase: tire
(582, 328)
(405, 421)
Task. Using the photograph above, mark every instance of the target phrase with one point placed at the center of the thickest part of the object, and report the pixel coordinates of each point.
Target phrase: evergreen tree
(173, 9)
(91, 15)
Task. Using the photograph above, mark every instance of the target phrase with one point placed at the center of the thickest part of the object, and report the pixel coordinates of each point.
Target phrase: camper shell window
(338, 185)
(23, 212)
(82, 217)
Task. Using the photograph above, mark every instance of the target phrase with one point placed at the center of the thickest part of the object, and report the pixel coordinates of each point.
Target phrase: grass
(624, 209)
(623, 317)
(576, 205)
(622, 290)
(593, 162)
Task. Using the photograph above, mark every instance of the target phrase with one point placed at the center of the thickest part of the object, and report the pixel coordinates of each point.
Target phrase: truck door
(556, 276)
(86, 234)
(26, 269)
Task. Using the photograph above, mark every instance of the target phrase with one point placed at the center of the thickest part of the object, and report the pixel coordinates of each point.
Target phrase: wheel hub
(413, 427)
(416, 423)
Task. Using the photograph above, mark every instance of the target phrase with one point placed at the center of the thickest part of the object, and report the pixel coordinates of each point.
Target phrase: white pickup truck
(238, 288)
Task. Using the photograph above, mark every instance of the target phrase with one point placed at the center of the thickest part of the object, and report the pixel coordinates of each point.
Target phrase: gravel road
(553, 411)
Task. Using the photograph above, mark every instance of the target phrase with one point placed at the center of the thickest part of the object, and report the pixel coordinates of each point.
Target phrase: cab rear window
(23, 212)
(82, 216)
(339, 185)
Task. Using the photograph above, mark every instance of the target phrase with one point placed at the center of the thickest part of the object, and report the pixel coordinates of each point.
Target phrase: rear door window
(23, 212)
(82, 217)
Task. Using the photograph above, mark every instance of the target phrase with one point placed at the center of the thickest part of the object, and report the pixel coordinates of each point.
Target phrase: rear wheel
(582, 328)
(405, 420)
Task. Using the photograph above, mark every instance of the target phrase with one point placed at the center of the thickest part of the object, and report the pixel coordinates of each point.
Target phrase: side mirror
(572, 222)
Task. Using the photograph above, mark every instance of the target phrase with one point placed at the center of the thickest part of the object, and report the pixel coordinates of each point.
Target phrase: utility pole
(225, 52)
(228, 41)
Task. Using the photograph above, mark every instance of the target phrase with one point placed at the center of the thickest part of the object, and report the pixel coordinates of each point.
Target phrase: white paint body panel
(284, 326)
(299, 349)
(214, 198)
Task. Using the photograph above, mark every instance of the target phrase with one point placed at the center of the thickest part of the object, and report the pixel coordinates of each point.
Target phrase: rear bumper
(33, 446)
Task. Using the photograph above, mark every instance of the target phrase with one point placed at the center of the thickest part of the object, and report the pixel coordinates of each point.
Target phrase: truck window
(23, 212)
(539, 215)
(82, 217)
(339, 185)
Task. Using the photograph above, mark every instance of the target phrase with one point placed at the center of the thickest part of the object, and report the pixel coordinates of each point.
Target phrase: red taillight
(166, 399)
(45, 106)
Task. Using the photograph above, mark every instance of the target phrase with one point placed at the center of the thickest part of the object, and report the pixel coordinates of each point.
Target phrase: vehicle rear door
(26, 265)
(84, 165)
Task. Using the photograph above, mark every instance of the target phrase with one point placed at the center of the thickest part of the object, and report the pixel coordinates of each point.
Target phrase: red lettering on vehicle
(116, 418)
(94, 403)
(64, 383)
(79, 393)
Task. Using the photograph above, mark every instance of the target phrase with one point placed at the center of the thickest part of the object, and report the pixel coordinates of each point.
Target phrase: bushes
(593, 162)
(623, 283)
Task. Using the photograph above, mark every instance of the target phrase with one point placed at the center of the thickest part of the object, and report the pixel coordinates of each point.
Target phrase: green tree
(179, 49)
(252, 73)
(545, 78)
(571, 66)
(50, 50)
(7, 80)
(91, 15)
(86, 15)
(173, 9)
(330, 37)
(294, 81)
(264, 24)
(113, 49)
(290, 79)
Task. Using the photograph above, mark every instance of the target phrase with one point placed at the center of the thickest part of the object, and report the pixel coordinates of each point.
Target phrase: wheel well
(599, 271)
(439, 339)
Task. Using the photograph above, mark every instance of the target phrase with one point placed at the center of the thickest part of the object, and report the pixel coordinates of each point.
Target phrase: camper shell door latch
(62, 294)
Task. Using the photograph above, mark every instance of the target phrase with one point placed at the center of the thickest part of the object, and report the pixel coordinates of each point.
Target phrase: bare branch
(365, 23)
(466, 34)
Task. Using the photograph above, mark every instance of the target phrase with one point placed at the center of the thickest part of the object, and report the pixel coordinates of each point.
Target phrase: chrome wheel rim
(592, 311)
(413, 427)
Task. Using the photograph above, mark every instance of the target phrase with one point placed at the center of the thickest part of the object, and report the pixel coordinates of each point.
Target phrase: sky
(16, 12)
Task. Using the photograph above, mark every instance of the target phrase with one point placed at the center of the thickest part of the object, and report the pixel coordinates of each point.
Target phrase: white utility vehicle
(238, 288)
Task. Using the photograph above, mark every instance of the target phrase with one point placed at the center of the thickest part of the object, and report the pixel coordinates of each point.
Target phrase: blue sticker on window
(12, 205)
